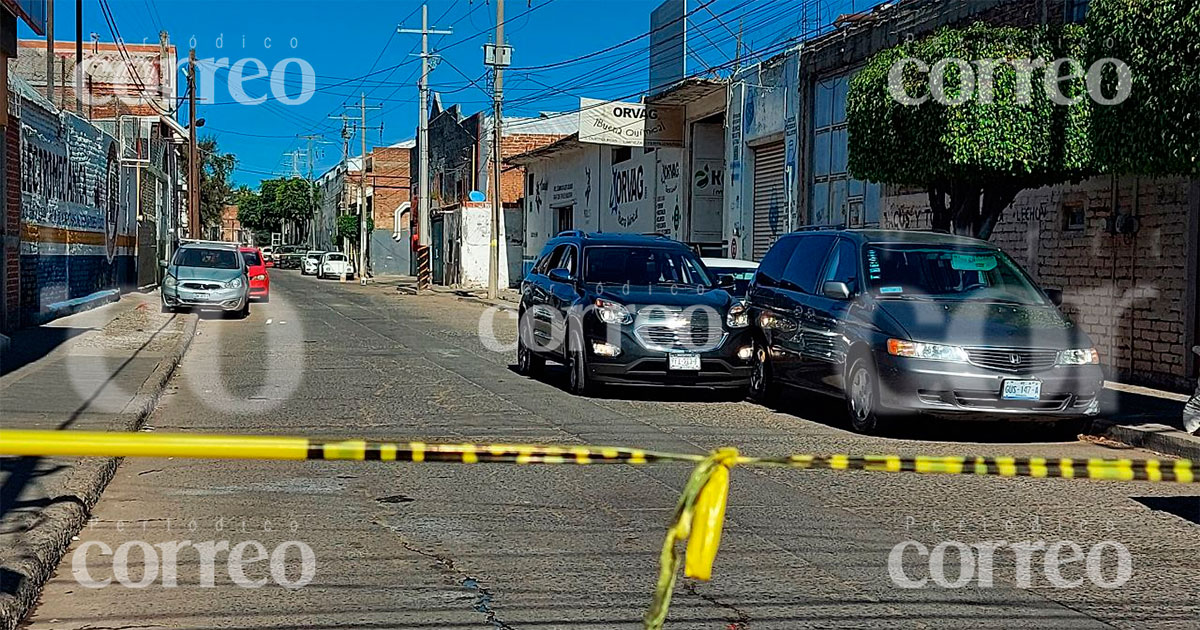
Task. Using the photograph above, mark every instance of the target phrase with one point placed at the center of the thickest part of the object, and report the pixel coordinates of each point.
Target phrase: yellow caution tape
(699, 515)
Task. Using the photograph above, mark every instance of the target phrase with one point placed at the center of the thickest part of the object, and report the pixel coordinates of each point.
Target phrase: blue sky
(343, 40)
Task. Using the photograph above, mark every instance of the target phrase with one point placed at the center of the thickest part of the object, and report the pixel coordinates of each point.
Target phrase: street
(494, 546)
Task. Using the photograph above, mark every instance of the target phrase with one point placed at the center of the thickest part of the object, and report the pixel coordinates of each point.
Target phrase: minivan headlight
(738, 315)
(1078, 356)
(928, 351)
(612, 313)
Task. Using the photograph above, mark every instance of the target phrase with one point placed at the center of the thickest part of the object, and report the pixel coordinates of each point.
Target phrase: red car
(256, 268)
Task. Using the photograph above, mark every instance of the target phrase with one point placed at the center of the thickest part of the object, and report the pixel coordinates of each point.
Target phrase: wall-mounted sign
(629, 124)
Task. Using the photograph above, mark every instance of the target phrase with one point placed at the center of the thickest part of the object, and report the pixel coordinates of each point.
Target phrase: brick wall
(12, 223)
(1129, 292)
(390, 175)
(512, 179)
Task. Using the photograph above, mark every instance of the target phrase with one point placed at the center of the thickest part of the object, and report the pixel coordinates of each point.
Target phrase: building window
(1074, 216)
(621, 154)
(837, 199)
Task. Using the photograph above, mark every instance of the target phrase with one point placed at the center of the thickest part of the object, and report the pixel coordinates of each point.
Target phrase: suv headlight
(236, 283)
(738, 315)
(612, 313)
(929, 351)
(1078, 356)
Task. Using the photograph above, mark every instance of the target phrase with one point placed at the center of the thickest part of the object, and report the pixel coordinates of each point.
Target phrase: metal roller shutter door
(770, 200)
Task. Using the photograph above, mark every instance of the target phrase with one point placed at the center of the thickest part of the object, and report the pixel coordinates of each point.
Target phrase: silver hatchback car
(207, 275)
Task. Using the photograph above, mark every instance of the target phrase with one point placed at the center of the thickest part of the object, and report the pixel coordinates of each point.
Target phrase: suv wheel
(763, 388)
(528, 363)
(862, 397)
(578, 381)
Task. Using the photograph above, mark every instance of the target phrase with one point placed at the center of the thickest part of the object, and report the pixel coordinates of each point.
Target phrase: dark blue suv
(631, 310)
(898, 321)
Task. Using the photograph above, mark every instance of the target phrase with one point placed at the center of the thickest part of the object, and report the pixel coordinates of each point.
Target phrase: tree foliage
(347, 227)
(982, 151)
(216, 189)
(276, 202)
(1156, 131)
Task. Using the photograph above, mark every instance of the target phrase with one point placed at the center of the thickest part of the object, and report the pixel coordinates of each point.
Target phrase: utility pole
(363, 213)
(194, 228)
(424, 271)
(501, 56)
(311, 190)
(79, 57)
(50, 50)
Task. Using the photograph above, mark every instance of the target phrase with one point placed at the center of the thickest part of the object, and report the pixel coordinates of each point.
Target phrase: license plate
(200, 297)
(683, 362)
(1022, 390)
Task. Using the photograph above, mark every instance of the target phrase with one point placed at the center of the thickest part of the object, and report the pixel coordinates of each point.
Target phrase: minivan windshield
(207, 258)
(643, 266)
(959, 273)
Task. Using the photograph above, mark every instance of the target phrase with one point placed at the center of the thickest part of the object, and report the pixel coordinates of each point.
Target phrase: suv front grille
(670, 331)
(1015, 360)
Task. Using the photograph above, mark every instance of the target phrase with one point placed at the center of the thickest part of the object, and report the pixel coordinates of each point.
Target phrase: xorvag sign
(1063, 564)
(629, 124)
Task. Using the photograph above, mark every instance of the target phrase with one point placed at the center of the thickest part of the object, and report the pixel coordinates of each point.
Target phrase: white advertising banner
(629, 124)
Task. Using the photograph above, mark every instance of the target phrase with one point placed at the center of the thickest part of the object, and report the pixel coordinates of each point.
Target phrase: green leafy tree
(216, 189)
(293, 201)
(251, 210)
(975, 150)
(1156, 131)
(347, 227)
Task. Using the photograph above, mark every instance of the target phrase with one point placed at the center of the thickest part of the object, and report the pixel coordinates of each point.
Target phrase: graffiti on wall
(628, 190)
(668, 216)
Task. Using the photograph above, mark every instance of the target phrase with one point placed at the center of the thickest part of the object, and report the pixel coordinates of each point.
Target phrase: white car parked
(311, 262)
(335, 265)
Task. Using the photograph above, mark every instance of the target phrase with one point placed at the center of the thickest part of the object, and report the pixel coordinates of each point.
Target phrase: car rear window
(251, 258)
(337, 257)
(207, 258)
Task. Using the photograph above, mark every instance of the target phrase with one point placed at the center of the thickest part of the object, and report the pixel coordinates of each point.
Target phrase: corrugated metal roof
(554, 124)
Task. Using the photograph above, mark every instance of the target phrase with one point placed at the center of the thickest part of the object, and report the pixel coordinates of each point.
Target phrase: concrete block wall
(1129, 292)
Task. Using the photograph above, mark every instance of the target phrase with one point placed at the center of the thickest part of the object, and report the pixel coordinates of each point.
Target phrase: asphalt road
(491, 546)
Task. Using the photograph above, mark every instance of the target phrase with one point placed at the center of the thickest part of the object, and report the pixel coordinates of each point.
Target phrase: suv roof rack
(196, 241)
(579, 233)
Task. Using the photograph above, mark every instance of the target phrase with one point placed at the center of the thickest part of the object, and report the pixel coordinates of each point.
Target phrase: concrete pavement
(99, 370)
(453, 546)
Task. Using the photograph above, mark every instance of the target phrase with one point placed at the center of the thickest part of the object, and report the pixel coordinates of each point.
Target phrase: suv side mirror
(561, 275)
(836, 290)
(1055, 295)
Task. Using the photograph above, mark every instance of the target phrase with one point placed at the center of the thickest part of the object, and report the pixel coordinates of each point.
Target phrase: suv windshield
(960, 273)
(643, 266)
(207, 258)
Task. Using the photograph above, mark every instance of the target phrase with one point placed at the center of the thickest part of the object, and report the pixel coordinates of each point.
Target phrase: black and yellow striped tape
(83, 443)
(698, 515)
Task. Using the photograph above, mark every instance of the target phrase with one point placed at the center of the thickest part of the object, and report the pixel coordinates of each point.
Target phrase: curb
(1155, 437)
(64, 518)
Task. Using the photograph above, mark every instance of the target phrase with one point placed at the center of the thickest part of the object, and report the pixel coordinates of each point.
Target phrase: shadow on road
(31, 344)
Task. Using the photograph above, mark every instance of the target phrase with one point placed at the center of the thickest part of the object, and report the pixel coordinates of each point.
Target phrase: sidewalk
(507, 298)
(97, 370)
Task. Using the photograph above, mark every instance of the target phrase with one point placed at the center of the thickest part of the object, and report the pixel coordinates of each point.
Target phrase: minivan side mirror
(1055, 295)
(561, 275)
(836, 290)
(725, 281)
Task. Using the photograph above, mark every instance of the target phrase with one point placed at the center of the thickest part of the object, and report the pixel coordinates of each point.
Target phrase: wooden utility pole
(79, 57)
(194, 227)
(50, 50)
(424, 271)
(364, 214)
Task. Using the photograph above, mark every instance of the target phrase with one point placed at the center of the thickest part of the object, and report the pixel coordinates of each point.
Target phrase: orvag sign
(629, 124)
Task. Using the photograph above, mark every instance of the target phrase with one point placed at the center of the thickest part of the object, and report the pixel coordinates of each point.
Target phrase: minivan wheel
(862, 397)
(763, 388)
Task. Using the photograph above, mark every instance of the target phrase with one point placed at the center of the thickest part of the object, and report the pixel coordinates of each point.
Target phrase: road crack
(741, 620)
